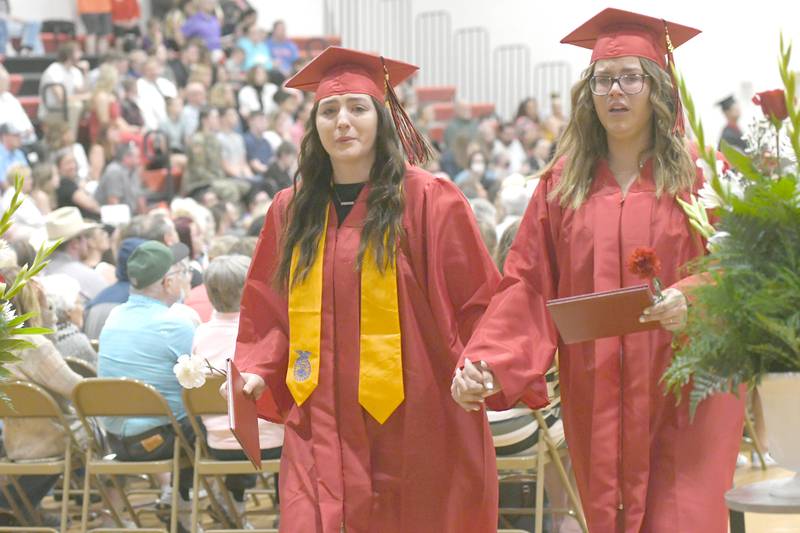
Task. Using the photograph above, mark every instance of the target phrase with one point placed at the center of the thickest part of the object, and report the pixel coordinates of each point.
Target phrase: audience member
(67, 224)
(142, 340)
(64, 296)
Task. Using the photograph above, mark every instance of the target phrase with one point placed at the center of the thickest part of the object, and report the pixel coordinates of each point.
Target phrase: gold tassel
(417, 148)
(679, 127)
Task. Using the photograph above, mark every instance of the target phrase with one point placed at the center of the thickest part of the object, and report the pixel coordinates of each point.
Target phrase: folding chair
(80, 367)
(206, 400)
(122, 397)
(547, 451)
(28, 400)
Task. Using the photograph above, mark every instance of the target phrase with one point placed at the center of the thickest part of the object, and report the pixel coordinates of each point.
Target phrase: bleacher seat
(444, 93)
(311, 46)
(15, 83)
(443, 111)
(436, 132)
(31, 106)
(482, 109)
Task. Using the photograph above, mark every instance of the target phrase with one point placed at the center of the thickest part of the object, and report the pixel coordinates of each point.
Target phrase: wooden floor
(764, 523)
(744, 475)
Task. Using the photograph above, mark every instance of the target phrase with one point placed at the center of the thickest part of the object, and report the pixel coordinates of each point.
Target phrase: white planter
(780, 397)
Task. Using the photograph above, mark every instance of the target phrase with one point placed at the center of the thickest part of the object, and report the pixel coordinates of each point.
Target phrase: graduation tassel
(679, 127)
(417, 148)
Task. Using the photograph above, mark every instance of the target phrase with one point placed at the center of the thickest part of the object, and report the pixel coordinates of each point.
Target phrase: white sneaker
(185, 516)
(756, 462)
(164, 501)
(741, 460)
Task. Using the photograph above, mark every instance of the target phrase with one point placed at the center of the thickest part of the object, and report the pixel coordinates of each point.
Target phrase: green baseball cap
(151, 260)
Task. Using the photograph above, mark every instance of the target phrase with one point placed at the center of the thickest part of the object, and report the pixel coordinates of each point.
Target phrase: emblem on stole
(302, 366)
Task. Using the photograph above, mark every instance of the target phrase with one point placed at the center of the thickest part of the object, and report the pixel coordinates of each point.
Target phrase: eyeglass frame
(183, 270)
(618, 81)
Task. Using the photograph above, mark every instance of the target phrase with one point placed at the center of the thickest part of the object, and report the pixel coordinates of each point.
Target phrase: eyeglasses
(181, 270)
(628, 83)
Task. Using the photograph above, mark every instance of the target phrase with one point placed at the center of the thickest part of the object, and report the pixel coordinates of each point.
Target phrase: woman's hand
(672, 311)
(472, 384)
(254, 386)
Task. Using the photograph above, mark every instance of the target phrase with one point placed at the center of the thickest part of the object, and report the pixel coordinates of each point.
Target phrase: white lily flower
(731, 183)
(190, 371)
(716, 239)
(709, 197)
(9, 313)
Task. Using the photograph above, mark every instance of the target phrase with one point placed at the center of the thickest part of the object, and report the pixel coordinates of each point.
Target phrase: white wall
(303, 17)
(736, 53)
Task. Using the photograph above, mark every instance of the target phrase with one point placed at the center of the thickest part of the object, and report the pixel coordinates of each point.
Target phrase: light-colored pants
(27, 31)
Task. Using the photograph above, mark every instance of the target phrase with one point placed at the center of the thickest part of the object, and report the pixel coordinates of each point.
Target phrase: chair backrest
(206, 400)
(81, 367)
(27, 400)
(119, 397)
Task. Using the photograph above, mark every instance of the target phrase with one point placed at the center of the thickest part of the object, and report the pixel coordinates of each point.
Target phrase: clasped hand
(472, 384)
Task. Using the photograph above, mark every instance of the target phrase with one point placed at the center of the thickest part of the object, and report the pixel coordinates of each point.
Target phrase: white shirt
(71, 77)
(514, 151)
(28, 220)
(151, 100)
(248, 99)
(11, 111)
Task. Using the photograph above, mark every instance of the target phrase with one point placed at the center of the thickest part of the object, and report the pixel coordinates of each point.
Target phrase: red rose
(773, 104)
(644, 262)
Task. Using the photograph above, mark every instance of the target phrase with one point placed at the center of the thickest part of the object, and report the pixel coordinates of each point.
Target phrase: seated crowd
(156, 169)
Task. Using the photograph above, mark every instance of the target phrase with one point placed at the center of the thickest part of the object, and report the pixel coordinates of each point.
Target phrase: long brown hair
(307, 209)
(584, 142)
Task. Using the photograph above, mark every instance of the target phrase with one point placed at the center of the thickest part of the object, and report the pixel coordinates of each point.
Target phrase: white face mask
(478, 168)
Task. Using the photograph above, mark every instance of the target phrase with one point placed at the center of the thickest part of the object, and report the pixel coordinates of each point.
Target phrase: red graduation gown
(431, 466)
(639, 463)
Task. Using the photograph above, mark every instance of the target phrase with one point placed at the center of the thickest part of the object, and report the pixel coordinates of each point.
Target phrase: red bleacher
(14, 83)
(442, 99)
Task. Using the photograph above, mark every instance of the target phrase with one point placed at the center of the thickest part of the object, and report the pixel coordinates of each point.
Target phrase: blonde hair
(584, 142)
(107, 79)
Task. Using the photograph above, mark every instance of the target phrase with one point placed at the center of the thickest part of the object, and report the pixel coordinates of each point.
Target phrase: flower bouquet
(745, 323)
(12, 325)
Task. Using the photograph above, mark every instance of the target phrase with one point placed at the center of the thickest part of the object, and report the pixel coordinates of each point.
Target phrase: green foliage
(746, 323)
(12, 326)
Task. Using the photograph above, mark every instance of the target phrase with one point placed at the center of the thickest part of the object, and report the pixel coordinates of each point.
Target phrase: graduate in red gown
(640, 463)
(367, 282)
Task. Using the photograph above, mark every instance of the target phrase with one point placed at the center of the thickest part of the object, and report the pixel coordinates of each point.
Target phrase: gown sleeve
(262, 346)
(516, 336)
(461, 275)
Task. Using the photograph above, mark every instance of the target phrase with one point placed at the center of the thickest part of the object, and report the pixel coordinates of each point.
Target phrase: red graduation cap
(338, 71)
(617, 33)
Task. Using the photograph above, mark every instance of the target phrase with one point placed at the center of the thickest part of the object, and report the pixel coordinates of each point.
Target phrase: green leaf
(10, 344)
(8, 357)
(33, 331)
(739, 161)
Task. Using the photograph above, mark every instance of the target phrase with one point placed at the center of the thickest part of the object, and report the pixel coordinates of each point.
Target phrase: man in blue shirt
(284, 52)
(259, 150)
(142, 339)
(10, 154)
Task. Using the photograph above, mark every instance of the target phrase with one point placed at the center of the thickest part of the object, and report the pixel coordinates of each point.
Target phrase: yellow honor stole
(380, 377)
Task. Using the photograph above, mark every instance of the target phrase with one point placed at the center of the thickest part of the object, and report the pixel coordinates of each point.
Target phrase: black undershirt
(345, 192)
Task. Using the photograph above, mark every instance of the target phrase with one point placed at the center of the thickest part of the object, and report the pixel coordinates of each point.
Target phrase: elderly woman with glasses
(640, 462)
(64, 296)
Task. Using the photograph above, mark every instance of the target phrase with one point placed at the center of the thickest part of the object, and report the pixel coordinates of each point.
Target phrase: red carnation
(644, 262)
